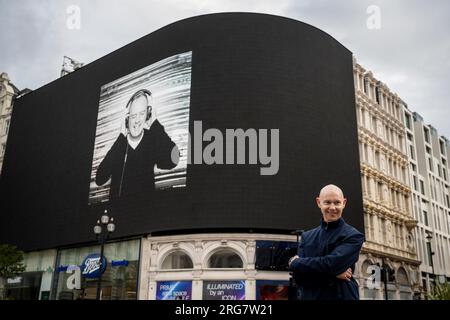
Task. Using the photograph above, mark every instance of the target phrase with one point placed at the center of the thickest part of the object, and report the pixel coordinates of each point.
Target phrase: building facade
(219, 223)
(216, 236)
(429, 179)
(205, 262)
(405, 180)
(7, 93)
(389, 224)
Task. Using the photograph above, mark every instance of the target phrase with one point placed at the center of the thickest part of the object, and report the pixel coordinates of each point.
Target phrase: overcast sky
(410, 52)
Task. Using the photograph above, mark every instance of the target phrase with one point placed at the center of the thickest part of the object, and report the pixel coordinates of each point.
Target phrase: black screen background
(248, 71)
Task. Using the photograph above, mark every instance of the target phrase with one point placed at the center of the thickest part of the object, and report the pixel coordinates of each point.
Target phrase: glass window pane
(225, 259)
(177, 260)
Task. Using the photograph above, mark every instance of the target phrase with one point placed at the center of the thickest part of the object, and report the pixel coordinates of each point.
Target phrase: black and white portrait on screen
(141, 141)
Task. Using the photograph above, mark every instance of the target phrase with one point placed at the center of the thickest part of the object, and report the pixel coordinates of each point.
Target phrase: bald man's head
(331, 188)
(331, 202)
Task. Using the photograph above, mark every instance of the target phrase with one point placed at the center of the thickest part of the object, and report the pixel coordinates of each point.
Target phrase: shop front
(216, 267)
(78, 269)
(35, 282)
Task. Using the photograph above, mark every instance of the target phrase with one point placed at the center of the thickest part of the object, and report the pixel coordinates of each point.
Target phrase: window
(177, 260)
(366, 153)
(415, 183)
(7, 122)
(374, 125)
(380, 191)
(377, 95)
(411, 151)
(408, 121)
(394, 203)
(119, 279)
(225, 258)
(422, 187)
(430, 164)
(441, 146)
(403, 284)
(426, 134)
(425, 217)
(377, 159)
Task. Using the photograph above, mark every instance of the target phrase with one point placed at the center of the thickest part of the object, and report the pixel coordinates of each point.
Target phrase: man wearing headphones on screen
(141, 144)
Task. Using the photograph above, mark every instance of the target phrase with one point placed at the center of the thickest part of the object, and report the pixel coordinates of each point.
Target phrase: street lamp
(429, 237)
(107, 221)
(431, 253)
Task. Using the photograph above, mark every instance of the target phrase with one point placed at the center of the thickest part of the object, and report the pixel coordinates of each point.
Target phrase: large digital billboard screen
(223, 121)
(142, 131)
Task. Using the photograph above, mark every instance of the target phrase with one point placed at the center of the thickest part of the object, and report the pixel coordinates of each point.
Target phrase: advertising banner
(174, 290)
(272, 290)
(224, 290)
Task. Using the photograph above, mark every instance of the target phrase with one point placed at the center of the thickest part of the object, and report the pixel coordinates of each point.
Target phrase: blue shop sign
(119, 263)
(90, 268)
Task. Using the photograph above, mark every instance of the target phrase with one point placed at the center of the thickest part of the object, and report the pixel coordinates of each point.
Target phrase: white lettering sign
(74, 281)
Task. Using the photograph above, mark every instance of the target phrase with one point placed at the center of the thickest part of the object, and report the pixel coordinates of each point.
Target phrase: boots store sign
(90, 268)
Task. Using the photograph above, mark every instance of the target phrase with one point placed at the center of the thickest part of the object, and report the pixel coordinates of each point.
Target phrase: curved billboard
(225, 121)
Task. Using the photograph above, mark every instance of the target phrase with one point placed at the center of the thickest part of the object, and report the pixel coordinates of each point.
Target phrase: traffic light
(388, 272)
(391, 274)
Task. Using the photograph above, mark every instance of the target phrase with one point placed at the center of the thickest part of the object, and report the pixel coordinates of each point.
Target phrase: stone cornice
(365, 135)
(373, 107)
(378, 175)
(366, 249)
(380, 210)
(385, 116)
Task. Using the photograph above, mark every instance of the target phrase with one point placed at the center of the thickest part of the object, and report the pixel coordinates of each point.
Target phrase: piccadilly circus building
(195, 152)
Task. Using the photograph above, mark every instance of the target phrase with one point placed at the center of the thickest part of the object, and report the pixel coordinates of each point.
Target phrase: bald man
(325, 261)
(141, 145)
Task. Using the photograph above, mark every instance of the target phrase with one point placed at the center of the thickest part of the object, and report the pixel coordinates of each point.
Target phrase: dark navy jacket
(325, 252)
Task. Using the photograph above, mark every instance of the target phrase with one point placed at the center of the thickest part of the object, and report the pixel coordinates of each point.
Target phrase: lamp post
(429, 237)
(431, 253)
(108, 222)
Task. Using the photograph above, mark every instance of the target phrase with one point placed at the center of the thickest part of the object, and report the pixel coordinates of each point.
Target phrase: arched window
(177, 260)
(403, 283)
(402, 277)
(225, 258)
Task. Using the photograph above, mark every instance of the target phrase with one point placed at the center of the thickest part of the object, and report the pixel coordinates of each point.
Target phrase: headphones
(137, 94)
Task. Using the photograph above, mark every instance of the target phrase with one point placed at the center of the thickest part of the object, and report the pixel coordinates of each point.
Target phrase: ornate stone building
(7, 93)
(202, 258)
(389, 223)
(430, 183)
